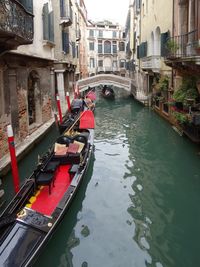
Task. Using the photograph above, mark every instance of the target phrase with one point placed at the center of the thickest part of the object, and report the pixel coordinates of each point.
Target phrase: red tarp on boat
(87, 120)
(91, 95)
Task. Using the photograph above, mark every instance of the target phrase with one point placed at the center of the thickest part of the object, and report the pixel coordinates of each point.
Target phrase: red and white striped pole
(13, 158)
(68, 101)
(59, 107)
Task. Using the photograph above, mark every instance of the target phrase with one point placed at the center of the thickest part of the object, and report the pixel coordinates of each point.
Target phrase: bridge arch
(107, 79)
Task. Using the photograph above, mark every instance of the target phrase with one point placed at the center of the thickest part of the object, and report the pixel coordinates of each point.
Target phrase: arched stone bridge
(123, 83)
(107, 79)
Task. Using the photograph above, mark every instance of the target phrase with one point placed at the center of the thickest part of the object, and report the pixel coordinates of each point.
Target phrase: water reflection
(139, 207)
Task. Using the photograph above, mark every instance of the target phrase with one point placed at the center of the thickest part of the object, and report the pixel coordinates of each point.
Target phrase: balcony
(184, 47)
(151, 63)
(16, 25)
(107, 69)
(66, 15)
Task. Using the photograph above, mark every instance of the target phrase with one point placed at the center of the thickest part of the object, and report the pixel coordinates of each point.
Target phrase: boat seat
(44, 178)
(51, 166)
(69, 158)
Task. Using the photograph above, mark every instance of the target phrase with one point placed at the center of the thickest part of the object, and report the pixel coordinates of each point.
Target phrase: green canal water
(139, 204)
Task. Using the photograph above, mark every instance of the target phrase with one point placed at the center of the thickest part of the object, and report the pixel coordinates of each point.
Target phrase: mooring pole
(13, 158)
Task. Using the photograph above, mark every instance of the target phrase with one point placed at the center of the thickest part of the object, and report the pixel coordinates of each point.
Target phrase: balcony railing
(151, 62)
(107, 69)
(183, 46)
(16, 25)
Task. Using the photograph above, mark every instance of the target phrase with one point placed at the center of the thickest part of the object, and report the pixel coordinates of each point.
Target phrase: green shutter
(138, 52)
(51, 27)
(28, 5)
(46, 22)
(65, 42)
(164, 38)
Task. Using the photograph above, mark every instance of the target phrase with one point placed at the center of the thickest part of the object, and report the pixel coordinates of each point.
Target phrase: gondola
(71, 116)
(35, 212)
(108, 92)
(77, 106)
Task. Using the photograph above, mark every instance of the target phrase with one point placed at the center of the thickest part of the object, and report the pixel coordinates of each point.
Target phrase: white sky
(114, 10)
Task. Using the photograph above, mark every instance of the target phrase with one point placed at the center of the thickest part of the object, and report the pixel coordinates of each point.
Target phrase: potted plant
(172, 46)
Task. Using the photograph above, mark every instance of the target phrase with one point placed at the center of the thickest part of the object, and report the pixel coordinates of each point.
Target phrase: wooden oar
(75, 122)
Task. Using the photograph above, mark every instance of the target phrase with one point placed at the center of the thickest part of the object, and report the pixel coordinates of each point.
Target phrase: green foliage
(162, 84)
(172, 46)
(180, 117)
(187, 90)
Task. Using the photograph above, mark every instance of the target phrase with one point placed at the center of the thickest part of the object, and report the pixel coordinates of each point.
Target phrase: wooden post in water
(68, 101)
(59, 107)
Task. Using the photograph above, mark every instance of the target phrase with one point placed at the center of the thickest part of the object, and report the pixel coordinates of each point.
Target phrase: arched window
(157, 42)
(107, 47)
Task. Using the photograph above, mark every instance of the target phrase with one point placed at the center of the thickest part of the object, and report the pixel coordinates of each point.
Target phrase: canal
(139, 203)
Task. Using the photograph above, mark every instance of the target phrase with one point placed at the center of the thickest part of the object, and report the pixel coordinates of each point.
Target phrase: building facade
(66, 56)
(106, 48)
(183, 55)
(25, 72)
(82, 64)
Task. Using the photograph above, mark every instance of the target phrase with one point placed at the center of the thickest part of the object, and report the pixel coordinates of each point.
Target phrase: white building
(106, 48)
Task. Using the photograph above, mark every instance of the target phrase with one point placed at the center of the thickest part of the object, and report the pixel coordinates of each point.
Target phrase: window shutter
(65, 42)
(164, 37)
(138, 52)
(51, 27)
(145, 49)
(73, 49)
(62, 8)
(45, 22)
(29, 6)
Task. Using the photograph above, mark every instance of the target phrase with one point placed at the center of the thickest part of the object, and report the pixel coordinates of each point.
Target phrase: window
(107, 47)
(114, 63)
(92, 65)
(62, 8)
(121, 46)
(77, 51)
(73, 49)
(28, 4)
(114, 34)
(100, 63)
(66, 9)
(100, 47)
(91, 46)
(91, 33)
(114, 47)
(100, 34)
(70, 12)
(122, 63)
(48, 24)
(65, 41)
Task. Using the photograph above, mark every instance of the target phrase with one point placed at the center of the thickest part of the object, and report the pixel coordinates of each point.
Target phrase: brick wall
(46, 109)
(23, 116)
(4, 121)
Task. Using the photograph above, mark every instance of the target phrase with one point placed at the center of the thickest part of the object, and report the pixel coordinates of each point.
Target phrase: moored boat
(71, 116)
(108, 92)
(34, 213)
(77, 106)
